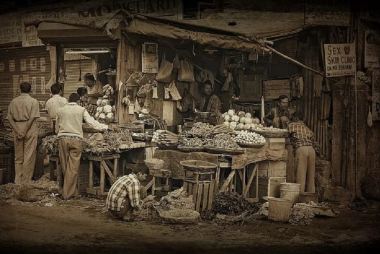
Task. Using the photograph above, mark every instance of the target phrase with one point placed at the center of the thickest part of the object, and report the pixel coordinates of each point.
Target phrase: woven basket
(180, 216)
(154, 164)
(272, 134)
(252, 145)
(197, 165)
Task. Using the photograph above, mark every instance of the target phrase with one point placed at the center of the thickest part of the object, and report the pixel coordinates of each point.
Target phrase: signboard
(372, 49)
(10, 29)
(30, 38)
(340, 59)
(149, 57)
(376, 95)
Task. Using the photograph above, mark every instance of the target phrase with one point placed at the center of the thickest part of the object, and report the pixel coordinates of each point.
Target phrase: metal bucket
(279, 209)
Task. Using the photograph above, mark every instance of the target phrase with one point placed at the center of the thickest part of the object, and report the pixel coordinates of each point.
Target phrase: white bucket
(290, 191)
(279, 209)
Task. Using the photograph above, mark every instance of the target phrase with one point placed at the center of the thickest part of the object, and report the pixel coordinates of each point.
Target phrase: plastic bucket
(307, 197)
(279, 209)
(2, 171)
(290, 191)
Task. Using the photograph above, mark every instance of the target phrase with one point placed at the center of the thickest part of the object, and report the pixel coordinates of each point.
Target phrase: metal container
(203, 115)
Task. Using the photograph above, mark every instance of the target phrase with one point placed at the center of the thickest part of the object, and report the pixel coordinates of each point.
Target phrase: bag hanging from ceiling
(186, 73)
(165, 71)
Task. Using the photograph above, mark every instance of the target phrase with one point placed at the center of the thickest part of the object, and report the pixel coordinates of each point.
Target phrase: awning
(157, 29)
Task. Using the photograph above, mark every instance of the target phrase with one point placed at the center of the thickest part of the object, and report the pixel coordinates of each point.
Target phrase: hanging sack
(174, 92)
(165, 71)
(176, 62)
(186, 73)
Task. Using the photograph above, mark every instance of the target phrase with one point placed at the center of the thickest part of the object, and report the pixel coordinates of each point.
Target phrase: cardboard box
(270, 186)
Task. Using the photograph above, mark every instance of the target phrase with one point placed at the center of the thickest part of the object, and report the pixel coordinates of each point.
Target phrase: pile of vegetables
(104, 111)
(200, 130)
(43, 130)
(240, 121)
(50, 145)
(222, 141)
(271, 128)
(165, 138)
(191, 142)
(109, 142)
(249, 138)
(108, 90)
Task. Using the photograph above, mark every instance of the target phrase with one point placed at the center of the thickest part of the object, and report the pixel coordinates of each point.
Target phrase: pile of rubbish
(42, 192)
(303, 213)
(232, 208)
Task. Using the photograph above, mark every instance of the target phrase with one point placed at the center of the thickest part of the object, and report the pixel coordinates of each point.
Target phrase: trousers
(280, 122)
(25, 155)
(305, 164)
(70, 152)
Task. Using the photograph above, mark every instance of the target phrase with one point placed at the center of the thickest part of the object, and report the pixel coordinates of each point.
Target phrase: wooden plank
(91, 191)
(199, 197)
(205, 196)
(116, 167)
(109, 163)
(195, 195)
(153, 184)
(185, 187)
(105, 167)
(254, 172)
(91, 175)
(191, 190)
(244, 176)
(102, 178)
(211, 195)
(227, 182)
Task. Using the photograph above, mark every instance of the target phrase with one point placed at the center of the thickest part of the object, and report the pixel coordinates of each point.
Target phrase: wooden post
(91, 175)
(115, 167)
(102, 178)
(205, 196)
(226, 183)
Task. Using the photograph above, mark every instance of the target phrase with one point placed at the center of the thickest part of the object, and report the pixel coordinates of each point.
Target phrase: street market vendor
(124, 196)
(210, 102)
(94, 91)
(280, 116)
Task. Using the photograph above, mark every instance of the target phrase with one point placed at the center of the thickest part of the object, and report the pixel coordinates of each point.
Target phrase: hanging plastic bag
(165, 71)
(137, 107)
(186, 73)
(174, 92)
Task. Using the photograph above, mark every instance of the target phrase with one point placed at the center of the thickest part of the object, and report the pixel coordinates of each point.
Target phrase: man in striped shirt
(124, 196)
(302, 140)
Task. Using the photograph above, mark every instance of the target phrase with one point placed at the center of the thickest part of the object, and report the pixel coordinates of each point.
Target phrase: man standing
(22, 114)
(70, 134)
(55, 102)
(124, 196)
(279, 116)
(302, 140)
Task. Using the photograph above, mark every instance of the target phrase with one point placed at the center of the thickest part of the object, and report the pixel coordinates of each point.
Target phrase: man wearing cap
(22, 114)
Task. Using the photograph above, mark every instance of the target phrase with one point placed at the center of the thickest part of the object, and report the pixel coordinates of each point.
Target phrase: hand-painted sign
(340, 59)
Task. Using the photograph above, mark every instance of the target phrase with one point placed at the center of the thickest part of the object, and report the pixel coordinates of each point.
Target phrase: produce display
(104, 111)
(165, 138)
(249, 138)
(99, 144)
(43, 130)
(271, 128)
(222, 141)
(200, 130)
(108, 90)
(191, 142)
(50, 145)
(240, 121)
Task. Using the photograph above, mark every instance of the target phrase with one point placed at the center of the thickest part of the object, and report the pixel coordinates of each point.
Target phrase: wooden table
(106, 166)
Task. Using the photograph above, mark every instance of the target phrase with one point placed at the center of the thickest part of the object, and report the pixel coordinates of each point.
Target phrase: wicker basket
(180, 216)
(252, 145)
(197, 165)
(191, 149)
(225, 151)
(272, 134)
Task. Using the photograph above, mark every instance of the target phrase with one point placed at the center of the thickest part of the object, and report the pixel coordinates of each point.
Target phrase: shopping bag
(165, 71)
(186, 73)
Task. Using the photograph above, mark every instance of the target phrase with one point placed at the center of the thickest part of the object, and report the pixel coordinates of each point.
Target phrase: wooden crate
(272, 168)
(203, 193)
(270, 186)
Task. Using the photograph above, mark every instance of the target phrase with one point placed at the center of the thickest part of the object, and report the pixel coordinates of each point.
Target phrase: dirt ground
(82, 225)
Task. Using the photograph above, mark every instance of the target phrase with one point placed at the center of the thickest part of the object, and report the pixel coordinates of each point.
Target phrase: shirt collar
(56, 95)
(24, 94)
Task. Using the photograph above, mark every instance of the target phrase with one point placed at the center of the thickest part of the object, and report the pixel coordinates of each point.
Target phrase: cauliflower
(231, 112)
(240, 126)
(99, 102)
(107, 109)
(235, 118)
(242, 119)
(109, 115)
(248, 115)
(226, 123)
(99, 109)
(104, 102)
(227, 118)
(102, 116)
(248, 120)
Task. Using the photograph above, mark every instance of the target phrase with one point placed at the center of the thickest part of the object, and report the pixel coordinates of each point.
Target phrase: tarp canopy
(156, 29)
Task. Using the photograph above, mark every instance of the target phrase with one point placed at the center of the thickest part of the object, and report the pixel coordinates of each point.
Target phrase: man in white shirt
(70, 134)
(55, 102)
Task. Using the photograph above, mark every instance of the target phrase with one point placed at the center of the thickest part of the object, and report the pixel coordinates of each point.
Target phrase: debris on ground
(177, 199)
(42, 192)
(232, 204)
(302, 215)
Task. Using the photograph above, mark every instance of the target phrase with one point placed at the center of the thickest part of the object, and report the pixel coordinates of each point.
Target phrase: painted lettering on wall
(134, 6)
